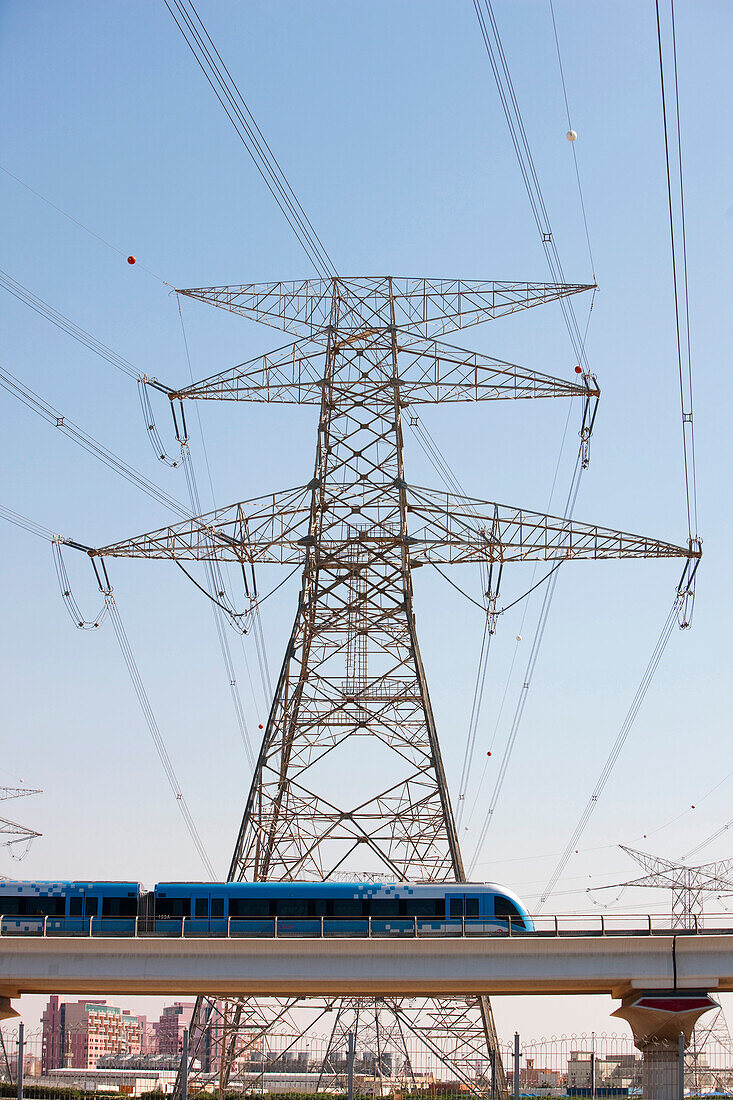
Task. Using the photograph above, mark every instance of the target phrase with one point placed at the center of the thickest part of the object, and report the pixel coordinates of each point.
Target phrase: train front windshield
(506, 909)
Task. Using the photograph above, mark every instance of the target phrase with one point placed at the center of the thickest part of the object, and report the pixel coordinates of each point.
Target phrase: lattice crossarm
(267, 529)
(292, 375)
(446, 528)
(431, 371)
(426, 307)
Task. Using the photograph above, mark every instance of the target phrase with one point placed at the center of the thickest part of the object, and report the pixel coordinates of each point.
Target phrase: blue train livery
(346, 908)
(69, 906)
(260, 908)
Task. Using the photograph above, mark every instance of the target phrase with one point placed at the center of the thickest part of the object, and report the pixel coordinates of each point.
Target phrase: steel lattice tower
(352, 668)
(689, 887)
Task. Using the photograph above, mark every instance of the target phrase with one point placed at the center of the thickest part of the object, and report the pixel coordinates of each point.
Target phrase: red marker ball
(578, 370)
(488, 754)
(261, 726)
(131, 260)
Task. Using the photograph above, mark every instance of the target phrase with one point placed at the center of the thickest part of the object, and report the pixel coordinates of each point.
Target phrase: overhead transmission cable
(76, 222)
(112, 610)
(605, 774)
(58, 420)
(573, 143)
(680, 279)
(50, 314)
(213, 568)
(513, 114)
(52, 416)
(67, 427)
(527, 681)
(226, 90)
(533, 587)
(155, 733)
(684, 599)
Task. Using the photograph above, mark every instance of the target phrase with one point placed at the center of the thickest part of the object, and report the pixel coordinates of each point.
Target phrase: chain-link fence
(109, 1057)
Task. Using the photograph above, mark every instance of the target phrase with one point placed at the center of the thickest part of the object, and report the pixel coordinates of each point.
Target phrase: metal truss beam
(426, 307)
(430, 372)
(443, 528)
(446, 528)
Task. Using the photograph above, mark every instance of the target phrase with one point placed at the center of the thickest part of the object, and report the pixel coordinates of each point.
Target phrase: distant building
(77, 1034)
(538, 1077)
(611, 1071)
(170, 1027)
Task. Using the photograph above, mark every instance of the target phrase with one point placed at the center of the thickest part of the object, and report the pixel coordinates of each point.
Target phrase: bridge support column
(7, 1012)
(662, 1023)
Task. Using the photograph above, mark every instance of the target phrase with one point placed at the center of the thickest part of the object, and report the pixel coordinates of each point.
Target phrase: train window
(505, 908)
(201, 908)
(320, 907)
(456, 908)
(249, 907)
(172, 908)
(217, 907)
(348, 907)
(32, 907)
(75, 907)
(424, 907)
(292, 907)
(383, 908)
(46, 907)
(119, 907)
(91, 906)
(471, 907)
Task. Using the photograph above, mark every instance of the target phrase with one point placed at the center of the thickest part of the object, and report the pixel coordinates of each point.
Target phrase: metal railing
(565, 925)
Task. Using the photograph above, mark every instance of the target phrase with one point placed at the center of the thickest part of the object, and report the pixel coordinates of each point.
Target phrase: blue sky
(386, 120)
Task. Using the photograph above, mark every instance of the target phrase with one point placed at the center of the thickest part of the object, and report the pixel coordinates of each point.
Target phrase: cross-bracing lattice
(352, 676)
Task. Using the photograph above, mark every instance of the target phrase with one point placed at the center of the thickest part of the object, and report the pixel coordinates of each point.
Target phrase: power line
(517, 132)
(43, 309)
(680, 284)
(155, 733)
(628, 722)
(231, 99)
(571, 130)
(111, 609)
(526, 684)
(26, 524)
(67, 427)
(76, 221)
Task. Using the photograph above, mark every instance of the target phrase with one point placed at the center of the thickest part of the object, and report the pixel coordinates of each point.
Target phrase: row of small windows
(174, 908)
(338, 908)
(17, 906)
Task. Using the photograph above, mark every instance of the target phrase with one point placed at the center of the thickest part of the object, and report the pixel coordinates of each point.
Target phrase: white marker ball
(572, 135)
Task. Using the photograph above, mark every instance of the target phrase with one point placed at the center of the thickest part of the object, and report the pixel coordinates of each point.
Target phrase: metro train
(259, 908)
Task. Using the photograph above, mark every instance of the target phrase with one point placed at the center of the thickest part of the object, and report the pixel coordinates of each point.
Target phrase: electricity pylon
(19, 834)
(689, 885)
(352, 677)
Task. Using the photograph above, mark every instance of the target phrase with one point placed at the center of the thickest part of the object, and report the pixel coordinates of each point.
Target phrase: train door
(471, 906)
(82, 906)
(454, 907)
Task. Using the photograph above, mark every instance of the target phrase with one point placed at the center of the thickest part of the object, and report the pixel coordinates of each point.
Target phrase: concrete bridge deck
(289, 965)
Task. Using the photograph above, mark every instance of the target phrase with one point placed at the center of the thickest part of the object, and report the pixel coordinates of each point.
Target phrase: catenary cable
(226, 90)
